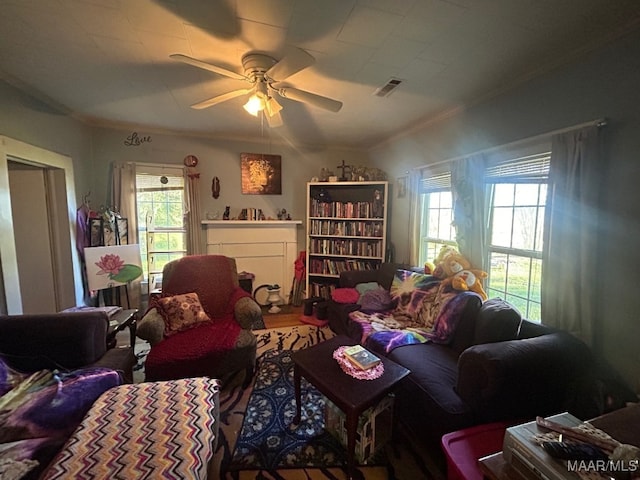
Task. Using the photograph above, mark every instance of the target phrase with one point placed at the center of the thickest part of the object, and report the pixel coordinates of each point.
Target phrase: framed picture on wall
(261, 174)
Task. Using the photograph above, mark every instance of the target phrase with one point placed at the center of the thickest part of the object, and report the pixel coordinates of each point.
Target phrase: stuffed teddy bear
(470, 280)
(455, 270)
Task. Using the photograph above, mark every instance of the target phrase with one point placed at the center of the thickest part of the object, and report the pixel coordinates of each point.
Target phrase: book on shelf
(361, 357)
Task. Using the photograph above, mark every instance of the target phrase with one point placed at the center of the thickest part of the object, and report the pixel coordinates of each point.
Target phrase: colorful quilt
(39, 411)
(146, 430)
(423, 311)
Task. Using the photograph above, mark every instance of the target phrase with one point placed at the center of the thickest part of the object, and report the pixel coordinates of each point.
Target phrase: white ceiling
(107, 61)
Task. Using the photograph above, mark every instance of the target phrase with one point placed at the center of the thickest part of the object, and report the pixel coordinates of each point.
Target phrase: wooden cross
(344, 168)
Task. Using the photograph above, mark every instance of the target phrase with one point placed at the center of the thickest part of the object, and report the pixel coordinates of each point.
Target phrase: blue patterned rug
(268, 440)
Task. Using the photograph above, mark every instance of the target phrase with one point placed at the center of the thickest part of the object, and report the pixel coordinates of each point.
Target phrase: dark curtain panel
(571, 232)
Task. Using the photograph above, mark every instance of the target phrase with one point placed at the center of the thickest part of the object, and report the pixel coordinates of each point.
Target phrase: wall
(603, 83)
(221, 158)
(31, 121)
(41, 134)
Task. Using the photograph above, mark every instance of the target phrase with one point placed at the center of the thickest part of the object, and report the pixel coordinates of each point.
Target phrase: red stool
(464, 447)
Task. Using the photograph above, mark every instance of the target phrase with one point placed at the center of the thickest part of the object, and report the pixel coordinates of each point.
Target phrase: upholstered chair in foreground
(202, 323)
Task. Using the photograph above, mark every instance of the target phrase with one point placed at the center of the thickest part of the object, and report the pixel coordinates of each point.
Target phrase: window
(517, 191)
(160, 200)
(436, 214)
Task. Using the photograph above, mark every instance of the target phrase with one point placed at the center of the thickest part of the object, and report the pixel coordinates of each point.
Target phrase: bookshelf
(346, 230)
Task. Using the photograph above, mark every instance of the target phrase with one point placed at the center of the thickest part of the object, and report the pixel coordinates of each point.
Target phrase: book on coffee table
(361, 357)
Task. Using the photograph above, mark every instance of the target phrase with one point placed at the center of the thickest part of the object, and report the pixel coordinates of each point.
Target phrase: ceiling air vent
(387, 88)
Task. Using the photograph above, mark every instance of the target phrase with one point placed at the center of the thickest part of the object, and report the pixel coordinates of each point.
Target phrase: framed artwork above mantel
(261, 174)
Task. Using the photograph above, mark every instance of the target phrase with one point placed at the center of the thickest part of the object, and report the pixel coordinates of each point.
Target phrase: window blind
(532, 168)
(435, 183)
(151, 182)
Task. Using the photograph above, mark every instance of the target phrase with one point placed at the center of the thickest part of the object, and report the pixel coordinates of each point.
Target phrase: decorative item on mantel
(283, 215)
(252, 214)
(215, 187)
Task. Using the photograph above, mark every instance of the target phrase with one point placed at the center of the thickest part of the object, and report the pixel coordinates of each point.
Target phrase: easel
(109, 295)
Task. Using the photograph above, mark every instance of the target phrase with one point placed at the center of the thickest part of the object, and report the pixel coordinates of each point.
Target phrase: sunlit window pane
(526, 194)
(436, 229)
(539, 230)
(515, 248)
(162, 204)
(524, 227)
(502, 224)
(503, 194)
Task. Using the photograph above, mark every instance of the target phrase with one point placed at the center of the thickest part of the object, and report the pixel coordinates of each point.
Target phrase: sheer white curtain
(123, 199)
(468, 190)
(569, 285)
(194, 230)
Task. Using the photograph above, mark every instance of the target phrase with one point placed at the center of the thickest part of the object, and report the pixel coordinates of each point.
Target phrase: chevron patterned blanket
(147, 430)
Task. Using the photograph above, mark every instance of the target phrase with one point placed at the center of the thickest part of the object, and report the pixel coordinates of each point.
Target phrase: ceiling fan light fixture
(254, 105)
(257, 102)
(272, 106)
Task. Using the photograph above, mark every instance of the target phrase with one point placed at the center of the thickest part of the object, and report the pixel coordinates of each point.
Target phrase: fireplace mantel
(266, 248)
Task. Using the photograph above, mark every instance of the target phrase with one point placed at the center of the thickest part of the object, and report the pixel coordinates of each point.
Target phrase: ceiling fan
(265, 75)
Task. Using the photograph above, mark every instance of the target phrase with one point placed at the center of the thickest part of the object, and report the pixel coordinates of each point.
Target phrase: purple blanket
(39, 411)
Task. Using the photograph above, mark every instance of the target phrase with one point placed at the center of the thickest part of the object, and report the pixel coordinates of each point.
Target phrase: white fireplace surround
(267, 248)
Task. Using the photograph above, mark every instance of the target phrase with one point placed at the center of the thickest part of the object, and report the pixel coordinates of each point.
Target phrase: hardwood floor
(288, 317)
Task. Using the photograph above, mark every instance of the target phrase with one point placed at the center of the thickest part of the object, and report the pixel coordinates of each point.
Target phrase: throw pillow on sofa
(376, 300)
(181, 312)
(364, 287)
(345, 295)
(497, 321)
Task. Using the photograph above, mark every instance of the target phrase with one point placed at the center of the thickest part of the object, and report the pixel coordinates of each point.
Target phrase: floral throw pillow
(181, 312)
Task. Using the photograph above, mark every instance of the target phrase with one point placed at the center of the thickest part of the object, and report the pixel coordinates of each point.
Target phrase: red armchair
(218, 348)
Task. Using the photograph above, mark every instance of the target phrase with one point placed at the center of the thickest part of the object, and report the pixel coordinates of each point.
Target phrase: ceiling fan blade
(274, 120)
(207, 66)
(310, 98)
(221, 98)
(294, 61)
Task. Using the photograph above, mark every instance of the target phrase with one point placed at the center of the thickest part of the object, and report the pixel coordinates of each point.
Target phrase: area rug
(407, 458)
(269, 440)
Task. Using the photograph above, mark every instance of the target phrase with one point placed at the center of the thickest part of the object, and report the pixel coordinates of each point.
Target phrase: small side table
(118, 322)
(349, 394)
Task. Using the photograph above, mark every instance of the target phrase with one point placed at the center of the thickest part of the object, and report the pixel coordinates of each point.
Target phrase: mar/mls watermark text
(603, 466)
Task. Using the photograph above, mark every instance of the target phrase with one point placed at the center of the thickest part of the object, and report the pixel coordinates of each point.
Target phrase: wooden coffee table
(351, 395)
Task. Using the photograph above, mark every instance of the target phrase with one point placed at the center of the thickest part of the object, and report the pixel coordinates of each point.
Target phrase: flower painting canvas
(112, 266)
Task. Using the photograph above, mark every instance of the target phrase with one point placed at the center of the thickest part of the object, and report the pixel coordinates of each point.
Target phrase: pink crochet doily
(350, 369)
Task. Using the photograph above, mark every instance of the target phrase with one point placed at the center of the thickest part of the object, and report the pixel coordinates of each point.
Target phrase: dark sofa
(53, 367)
(496, 367)
(64, 341)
